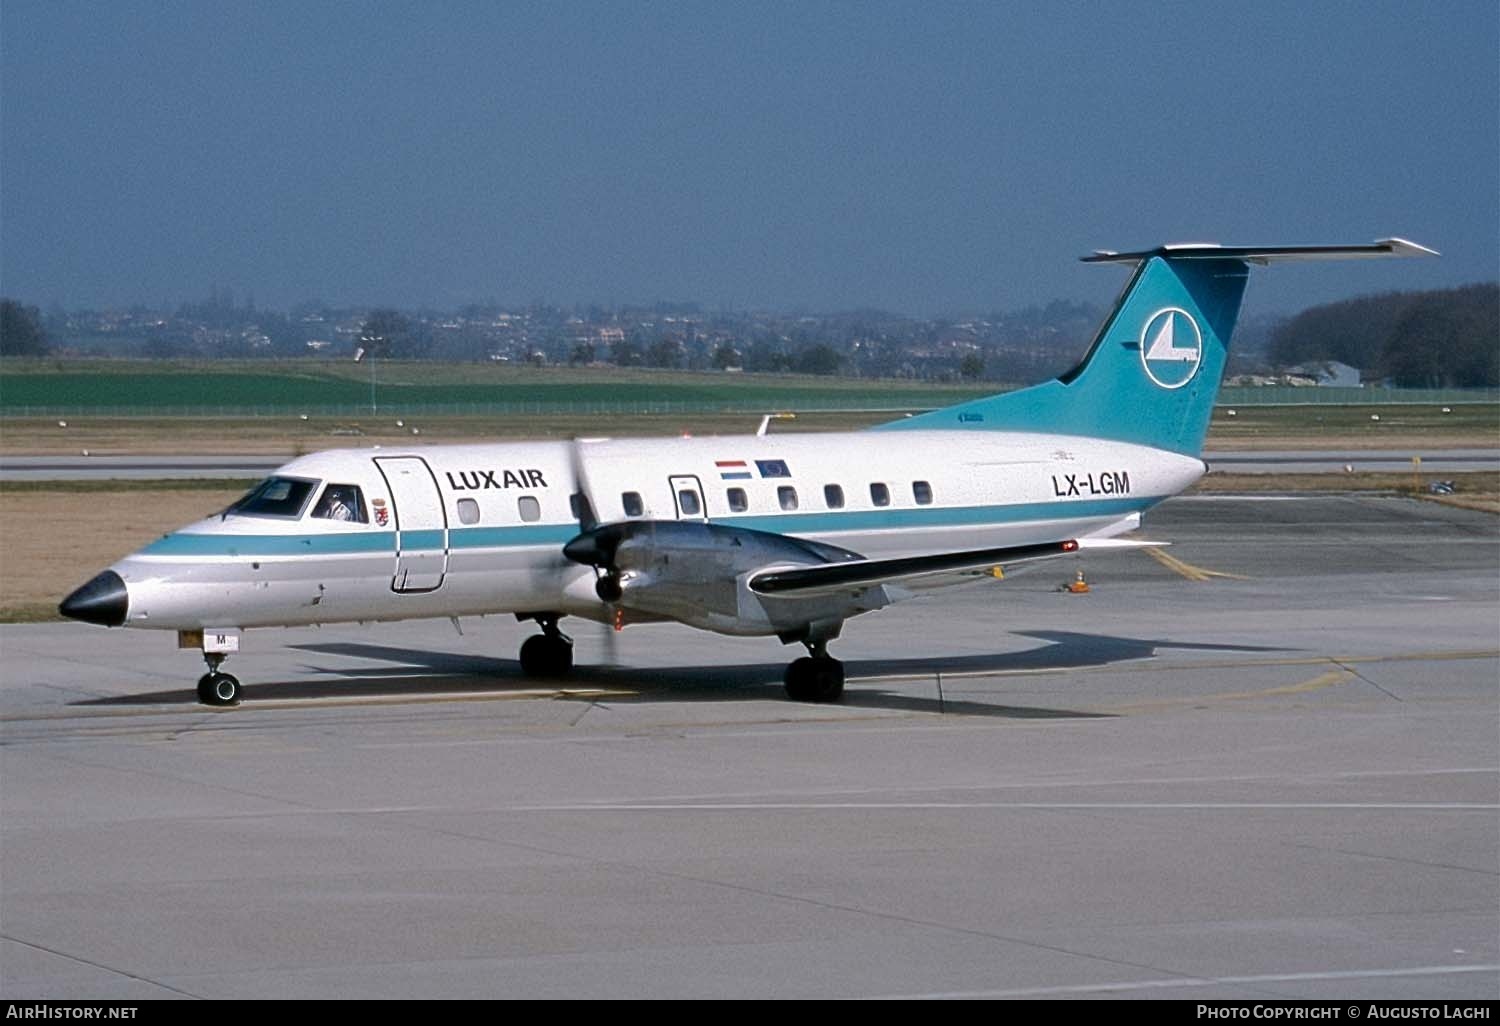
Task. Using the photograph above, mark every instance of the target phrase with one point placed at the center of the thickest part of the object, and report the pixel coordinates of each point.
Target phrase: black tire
(811, 679)
(218, 689)
(562, 659)
(608, 588)
(542, 656)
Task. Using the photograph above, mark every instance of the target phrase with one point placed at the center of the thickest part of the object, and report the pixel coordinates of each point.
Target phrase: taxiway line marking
(1147, 664)
(1022, 806)
(1136, 665)
(1321, 681)
(1188, 570)
(331, 701)
(1201, 981)
(486, 696)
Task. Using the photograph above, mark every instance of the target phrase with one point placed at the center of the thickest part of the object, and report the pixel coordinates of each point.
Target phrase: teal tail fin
(1153, 370)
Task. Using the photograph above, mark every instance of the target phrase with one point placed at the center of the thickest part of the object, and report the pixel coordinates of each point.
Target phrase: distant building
(1326, 375)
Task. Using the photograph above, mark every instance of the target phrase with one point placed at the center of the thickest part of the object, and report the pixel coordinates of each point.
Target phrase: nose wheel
(215, 688)
(218, 689)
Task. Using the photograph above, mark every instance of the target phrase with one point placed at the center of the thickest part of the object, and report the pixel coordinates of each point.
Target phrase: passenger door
(421, 523)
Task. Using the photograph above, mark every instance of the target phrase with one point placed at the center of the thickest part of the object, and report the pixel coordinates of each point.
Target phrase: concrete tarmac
(1261, 763)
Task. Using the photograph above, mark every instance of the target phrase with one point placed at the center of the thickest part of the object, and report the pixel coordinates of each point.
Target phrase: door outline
(688, 482)
(406, 557)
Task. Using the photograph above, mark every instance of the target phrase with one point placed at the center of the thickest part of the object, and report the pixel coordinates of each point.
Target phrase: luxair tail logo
(1171, 347)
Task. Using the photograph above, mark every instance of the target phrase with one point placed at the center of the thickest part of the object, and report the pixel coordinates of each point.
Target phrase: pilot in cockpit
(340, 502)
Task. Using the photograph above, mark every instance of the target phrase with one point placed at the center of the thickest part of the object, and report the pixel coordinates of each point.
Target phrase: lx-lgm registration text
(1109, 482)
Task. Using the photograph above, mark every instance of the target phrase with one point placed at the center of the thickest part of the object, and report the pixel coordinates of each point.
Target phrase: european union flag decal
(772, 468)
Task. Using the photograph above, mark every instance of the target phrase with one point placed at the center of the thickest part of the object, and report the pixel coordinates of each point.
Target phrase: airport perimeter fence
(1228, 397)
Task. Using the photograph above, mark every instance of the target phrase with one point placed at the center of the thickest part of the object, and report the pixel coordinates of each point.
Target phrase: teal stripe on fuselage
(538, 535)
(185, 544)
(506, 537)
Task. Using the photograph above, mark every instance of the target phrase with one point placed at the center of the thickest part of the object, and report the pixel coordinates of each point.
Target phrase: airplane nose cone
(103, 600)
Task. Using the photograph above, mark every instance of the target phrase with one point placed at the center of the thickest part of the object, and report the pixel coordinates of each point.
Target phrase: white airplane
(768, 535)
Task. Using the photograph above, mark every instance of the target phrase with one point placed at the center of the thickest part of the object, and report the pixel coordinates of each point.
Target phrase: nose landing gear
(215, 688)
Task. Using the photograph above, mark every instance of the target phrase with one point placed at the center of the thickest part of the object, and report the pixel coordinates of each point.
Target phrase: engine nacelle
(697, 573)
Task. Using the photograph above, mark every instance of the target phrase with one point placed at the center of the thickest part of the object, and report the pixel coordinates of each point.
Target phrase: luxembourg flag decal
(732, 470)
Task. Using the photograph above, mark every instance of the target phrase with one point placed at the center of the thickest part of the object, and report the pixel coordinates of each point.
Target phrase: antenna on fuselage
(765, 422)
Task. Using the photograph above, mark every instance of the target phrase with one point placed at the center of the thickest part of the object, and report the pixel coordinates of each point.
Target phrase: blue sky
(922, 158)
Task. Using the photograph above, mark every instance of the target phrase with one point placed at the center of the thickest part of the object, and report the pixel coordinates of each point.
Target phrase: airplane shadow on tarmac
(896, 684)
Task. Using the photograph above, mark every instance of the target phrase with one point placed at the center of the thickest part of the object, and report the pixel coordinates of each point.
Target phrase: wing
(844, 577)
(740, 581)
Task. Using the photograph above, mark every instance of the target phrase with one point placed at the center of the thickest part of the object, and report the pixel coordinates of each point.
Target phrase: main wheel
(218, 689)
(542, 656)
(815, 679)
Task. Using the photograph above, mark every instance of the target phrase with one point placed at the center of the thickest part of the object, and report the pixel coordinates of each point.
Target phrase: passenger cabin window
(342, 502)
(530, 508)
(275, 497)
(688, 502)
(468, 511)
(787, 496)
(833, 495)
(880, 495)
(738, 503)
(922, 492)
(632, 503)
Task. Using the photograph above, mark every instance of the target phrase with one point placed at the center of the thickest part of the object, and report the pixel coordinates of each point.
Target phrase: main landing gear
(548, 654)
(816, 677)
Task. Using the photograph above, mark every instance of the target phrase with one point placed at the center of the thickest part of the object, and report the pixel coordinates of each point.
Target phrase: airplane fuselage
(475, 529)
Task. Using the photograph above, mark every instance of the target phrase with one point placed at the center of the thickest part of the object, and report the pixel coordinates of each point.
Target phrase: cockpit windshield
(275, 497)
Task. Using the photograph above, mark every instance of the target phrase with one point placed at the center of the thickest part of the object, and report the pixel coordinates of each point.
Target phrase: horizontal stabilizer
(1265, 254)
(833, 577)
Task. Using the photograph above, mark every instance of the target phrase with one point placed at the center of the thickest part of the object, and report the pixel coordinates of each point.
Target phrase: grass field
(1373, 426)
(1262, 427)
(290, 435)
(307, 386)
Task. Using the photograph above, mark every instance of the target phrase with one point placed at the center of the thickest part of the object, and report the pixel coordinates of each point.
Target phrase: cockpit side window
(342, 502)
(275, 497)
